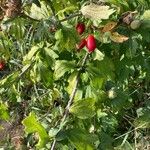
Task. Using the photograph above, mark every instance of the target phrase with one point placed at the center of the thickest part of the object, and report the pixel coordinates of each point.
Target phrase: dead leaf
(118, 38)
(109, 26)
(95, 11)
(128, 17)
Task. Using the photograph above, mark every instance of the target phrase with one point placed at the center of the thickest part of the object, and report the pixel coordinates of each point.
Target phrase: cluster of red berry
(89, 42)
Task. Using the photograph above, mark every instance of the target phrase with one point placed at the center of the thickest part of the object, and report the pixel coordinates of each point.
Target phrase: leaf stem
(72, 96)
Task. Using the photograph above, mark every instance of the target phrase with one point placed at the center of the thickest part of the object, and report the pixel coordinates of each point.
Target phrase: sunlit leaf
(61, 67)
(31, 53)
(146, 15)
(98, 55)
(84, 108)
(9, 79)
(81, 139)
(118, 38)
(109, 26)
(33, 126)
(94, 11)
(4, 111)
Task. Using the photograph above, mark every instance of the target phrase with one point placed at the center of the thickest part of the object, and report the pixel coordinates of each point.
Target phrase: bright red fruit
(80, 27)
(81, 44)
(2, 64)
(91, 43)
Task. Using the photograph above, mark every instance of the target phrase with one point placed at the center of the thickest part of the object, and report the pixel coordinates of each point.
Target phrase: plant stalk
(72, 96)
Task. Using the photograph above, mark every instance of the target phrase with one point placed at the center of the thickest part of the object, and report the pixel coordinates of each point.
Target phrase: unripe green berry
(135, 24)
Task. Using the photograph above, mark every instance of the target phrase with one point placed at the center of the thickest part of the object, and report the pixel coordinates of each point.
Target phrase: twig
(129, 132)
(66, 113)
(70, 17)
(23, 72)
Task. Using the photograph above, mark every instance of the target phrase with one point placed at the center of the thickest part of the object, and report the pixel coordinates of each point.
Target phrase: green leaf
(143, 121)
(37, 3)
(106, 67)
(9, 79)
(105, 141)
(32, 125)
(61, 67)
(51, 53)
(31, 53)
(84, 108)
(42, 12)
(59, 34)
(4, 112)
(81, 139)
(98, 55)
(146, 15)
(67, 38)
(45, 74)
(66, 9)
(119, 101)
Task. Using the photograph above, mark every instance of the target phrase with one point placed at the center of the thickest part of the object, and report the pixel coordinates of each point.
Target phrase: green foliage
(80, 139)
(32, 125)
(84, 108)
(4, 112)
(82, 100)
(61, 67)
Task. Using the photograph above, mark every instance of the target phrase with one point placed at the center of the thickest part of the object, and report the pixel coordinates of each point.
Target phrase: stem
(70, 17)
(72, 96)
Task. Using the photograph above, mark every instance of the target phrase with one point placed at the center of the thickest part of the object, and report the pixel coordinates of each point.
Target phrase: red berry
(2, 64)
(81, 44)
(80, 27)
(91, 43)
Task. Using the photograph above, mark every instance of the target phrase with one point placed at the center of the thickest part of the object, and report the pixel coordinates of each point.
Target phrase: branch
(72, 96)
(70, 17)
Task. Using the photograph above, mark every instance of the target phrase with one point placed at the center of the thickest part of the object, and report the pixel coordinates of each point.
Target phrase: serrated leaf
(71, 81)
(9, 79)
(67, 38)
(4, 112)
(94, 11)
(59, 34)
(44, 73)
(84, 108)
(104, 68)
(146, 15)
(31, 53)
(51, 53)
(105, 141)
(61, 67)
(98, 55)
(81, 139)
(41, 12)
(32, 125)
